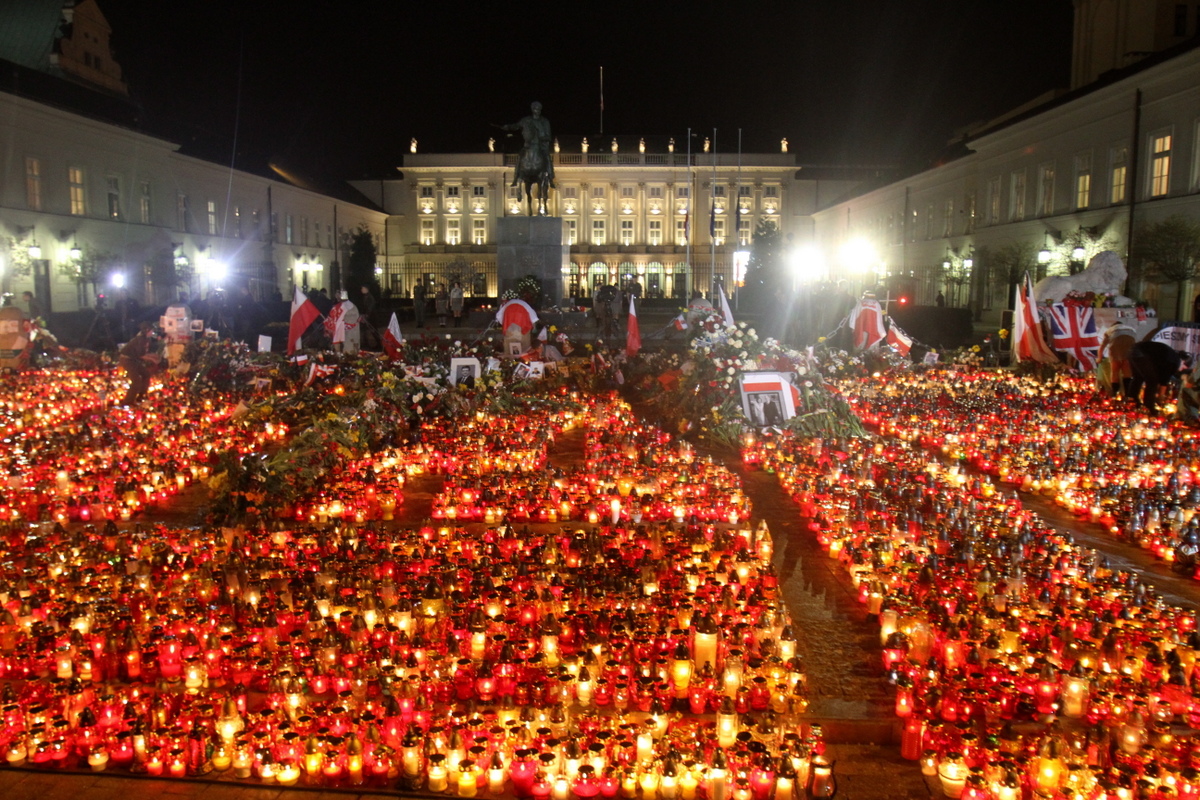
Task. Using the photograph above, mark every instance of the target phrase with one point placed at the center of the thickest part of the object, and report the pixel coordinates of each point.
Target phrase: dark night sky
(340, 88)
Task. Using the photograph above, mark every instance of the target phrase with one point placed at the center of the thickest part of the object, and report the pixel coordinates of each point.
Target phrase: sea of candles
(1023, 665)
(638, 645)
(1101, 459)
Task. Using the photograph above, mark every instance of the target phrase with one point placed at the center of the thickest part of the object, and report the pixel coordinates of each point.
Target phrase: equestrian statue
(535, 165)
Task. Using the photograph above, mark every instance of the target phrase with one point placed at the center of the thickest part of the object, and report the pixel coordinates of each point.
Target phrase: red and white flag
(866, 320)
(1029, 344)
(319, 371)
(681, 323)
(392, 338)
(899, 340)
(518, 313)
(633, 334)
(304, 313)
(726, 311)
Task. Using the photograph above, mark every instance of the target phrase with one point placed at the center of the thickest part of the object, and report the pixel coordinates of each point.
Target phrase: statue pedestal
(531, 246)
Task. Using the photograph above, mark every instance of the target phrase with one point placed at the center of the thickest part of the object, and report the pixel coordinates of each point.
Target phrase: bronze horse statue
(533, 169)
(534, 165)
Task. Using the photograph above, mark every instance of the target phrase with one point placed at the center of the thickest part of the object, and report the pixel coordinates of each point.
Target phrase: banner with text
(1181, 336)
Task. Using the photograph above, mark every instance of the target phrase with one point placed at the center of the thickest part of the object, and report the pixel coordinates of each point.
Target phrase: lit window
(626, 232)
(570, 191)
(683, 191)
(212, 217)
(718, 233)
(77, 193)
(453, 232)
(994, 201)
(113, 185)
(948, 218)
(1116, 192)
(1160, 166)
(288, 229)
(1016, 196)
(479, 231)
(654, 231)
(1083, 181)
(743, 232)
(681, 233)
(598, 192)
(770, 191)
(426, 231)
(237, 222)
(1046, 190)
(970, 212)
(33, 183)
(572, 232)
(655, 191)
(626, 191)
(597, 231)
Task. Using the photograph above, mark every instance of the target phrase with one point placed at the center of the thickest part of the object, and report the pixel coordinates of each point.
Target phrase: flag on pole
(304, 313)
(392, 338)
(1028, 342)
(899, 340)
(712, 219)
(633, 334)
(866, 320)
(726, 311)
(681, 323)
(1074, 331)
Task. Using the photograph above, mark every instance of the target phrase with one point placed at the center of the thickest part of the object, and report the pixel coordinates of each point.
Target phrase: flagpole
(712, 213)
(737, 219)
(687, 218)
(601, 100)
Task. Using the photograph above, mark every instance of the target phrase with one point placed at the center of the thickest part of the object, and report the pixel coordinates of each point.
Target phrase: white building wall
(59, 141)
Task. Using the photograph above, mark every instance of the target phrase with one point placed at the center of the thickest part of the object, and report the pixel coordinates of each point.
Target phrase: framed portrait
(493, 364)
(515, 348)
(197, 326)
(464, 370)
(521, 372)
(537, 369)
(768, 398)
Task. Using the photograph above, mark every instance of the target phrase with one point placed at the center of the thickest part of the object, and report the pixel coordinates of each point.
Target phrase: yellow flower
(975, 349)
(1003, 333)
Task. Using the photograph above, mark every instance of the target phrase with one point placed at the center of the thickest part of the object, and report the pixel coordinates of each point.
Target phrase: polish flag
(633, 334)
(304, 313)
(726, 311)
(899, 340)
(392, 339)
(1029, 344)
(516, 312)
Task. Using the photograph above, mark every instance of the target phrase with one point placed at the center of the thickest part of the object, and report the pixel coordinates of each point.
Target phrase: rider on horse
(535, 129)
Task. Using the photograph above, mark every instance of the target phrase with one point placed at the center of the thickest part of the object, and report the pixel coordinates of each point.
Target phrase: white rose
(731, 371)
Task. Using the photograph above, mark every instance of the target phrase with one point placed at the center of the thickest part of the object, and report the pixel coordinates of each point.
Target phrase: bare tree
(1008, 263)
(1169, 252)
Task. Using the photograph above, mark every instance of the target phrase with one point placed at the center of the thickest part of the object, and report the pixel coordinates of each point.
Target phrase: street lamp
(117, 280)
(808, 264)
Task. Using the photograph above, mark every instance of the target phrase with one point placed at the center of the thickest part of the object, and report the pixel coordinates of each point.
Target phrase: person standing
(31, 302)
(441, 304)
(419, 304)
(139, 358)
(456, 302)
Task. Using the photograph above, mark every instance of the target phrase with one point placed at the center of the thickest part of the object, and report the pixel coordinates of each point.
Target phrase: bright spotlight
(118, 280)
(808, 263)
(859, 255)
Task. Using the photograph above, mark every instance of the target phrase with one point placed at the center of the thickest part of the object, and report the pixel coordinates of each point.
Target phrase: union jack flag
(1074, 329)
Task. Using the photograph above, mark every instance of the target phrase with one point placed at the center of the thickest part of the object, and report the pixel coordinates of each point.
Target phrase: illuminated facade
(670, 220)
(1057, 180)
